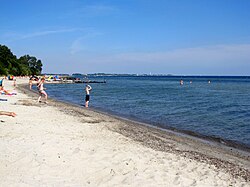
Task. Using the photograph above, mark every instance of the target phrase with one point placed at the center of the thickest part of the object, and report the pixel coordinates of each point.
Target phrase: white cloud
(213, 54)
(80, 44)
(97, 10)
(213, 60)
(77, 46)
(48, 32)
(18, 36)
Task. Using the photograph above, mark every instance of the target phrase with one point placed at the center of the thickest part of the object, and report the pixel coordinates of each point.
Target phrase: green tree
(25, 65)
(3, 70)
(8, 61)
(34, 65)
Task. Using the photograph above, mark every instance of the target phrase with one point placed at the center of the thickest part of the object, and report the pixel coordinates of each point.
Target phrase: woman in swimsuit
(41, 91)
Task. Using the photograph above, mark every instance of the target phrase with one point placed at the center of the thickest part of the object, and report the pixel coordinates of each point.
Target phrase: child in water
(87, 90)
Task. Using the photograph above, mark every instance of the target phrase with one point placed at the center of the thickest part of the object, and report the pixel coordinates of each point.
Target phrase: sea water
(219, 109)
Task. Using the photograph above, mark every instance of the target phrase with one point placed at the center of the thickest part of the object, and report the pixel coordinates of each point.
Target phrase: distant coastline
(148, 75)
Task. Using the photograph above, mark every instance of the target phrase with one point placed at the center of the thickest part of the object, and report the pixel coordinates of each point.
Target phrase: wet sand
(60, 144)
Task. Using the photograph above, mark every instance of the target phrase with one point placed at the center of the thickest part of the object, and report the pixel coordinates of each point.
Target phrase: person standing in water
(87, 90)
(181, 82)
(41, 90)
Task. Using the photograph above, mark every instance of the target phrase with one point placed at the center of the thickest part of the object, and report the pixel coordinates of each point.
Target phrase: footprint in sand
(176, 180)
(77, 150)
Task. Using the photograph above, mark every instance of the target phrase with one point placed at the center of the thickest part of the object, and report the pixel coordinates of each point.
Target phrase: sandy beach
(59, 144)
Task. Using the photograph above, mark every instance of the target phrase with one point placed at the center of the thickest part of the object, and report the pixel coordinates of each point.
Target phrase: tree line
(25, 65)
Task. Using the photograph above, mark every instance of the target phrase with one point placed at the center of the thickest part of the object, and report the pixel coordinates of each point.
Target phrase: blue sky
(181, 37)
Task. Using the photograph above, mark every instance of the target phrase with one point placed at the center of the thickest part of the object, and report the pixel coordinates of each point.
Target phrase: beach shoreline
(178, 136)
(232, 144)
(205, 138)
(235, 163)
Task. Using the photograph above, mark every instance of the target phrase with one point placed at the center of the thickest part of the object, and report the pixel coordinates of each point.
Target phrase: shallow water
(220, 109)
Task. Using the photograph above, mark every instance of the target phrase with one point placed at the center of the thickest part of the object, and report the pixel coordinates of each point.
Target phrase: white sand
(43, 146)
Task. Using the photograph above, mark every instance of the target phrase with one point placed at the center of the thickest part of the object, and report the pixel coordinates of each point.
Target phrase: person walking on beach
(41, 90)
(87, 90)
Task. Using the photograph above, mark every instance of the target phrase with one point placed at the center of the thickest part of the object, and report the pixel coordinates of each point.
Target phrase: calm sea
(220, 109)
